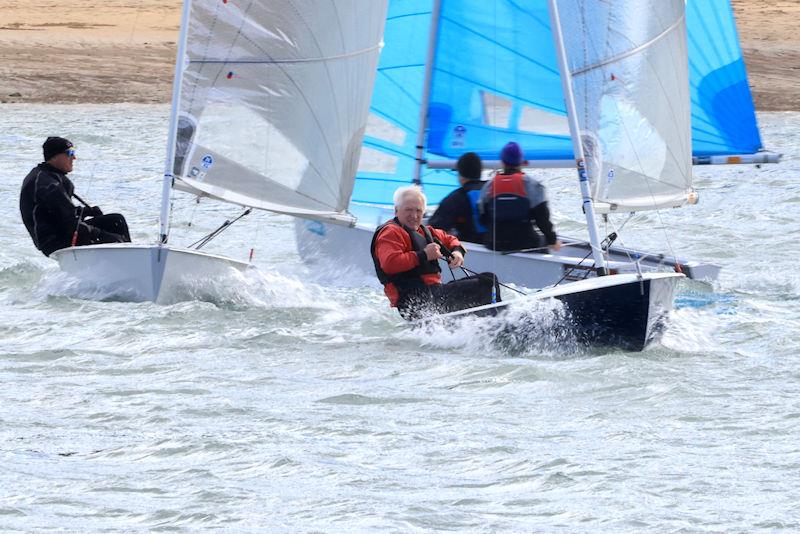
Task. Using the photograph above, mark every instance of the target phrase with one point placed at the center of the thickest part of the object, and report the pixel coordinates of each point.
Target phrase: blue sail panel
(723, 115)
(395, 105)
(495, 80)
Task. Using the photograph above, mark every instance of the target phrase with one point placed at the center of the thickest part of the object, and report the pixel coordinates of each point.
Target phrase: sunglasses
(70, 152)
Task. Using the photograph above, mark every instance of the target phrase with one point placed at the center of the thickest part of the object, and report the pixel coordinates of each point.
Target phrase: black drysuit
(458, 214)
(52, 219)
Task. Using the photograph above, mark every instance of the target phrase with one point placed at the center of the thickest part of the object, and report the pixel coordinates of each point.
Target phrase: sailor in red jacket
(406, 253)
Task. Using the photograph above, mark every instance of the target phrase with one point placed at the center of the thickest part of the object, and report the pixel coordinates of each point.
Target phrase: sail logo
(315, 227)
(208, 161)
(459, 135)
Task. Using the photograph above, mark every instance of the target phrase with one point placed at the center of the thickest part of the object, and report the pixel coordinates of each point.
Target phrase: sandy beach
(124, 50)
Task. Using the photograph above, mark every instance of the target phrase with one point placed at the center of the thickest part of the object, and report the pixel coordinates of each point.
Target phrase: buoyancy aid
(507, 199)
(473, 196)
(418, 244)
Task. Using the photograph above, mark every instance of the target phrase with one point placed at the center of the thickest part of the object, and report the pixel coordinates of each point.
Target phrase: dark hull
(625, 313)
(626, 316)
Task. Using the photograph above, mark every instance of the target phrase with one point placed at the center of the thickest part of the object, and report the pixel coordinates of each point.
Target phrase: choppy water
(281, 404)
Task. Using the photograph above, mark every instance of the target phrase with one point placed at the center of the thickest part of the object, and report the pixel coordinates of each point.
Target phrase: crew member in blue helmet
(511, 203)
(458, 211)
(51, 218)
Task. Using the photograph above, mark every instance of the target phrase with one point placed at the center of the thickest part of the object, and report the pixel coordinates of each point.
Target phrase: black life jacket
(508, 195)
(418, 244)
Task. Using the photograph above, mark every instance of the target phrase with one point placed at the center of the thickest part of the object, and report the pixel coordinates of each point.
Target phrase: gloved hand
(84, 212)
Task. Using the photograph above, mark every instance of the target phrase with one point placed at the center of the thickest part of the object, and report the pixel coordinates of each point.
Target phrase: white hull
(328, 245)
(140, 273)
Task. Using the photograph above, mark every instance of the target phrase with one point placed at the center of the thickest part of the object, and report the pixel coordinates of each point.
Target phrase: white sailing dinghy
(458, 76)
(269, 106)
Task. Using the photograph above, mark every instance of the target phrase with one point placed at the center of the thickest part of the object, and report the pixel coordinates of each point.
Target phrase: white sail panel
(630, 77)
(274, 101)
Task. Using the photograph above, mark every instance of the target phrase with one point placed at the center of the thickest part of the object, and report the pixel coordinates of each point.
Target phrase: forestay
(630, 78)
(274, 102)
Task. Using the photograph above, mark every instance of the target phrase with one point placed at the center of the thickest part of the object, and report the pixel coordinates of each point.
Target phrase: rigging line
(632, 51)
(135, 22)
(224, 226)
(84, 204)
(618, 232)
(448, 254)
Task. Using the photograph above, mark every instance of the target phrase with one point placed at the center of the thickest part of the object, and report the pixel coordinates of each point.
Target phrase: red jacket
(395, 253)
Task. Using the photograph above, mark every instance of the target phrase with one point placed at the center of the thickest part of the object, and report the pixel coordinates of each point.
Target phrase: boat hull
(622, 311)
(140, 273)
(332, 246)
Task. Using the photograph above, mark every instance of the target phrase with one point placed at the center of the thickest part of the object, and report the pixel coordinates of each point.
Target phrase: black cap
(55, 146)
(469, 166)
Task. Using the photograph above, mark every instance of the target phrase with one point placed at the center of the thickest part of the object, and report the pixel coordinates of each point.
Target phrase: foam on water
(293, 398)
(529, 329)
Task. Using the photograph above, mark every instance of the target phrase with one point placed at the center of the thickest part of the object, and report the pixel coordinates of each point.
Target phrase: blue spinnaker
(723, 116)
(495, 80)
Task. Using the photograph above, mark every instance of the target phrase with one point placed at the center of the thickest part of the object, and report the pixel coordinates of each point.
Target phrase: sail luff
(426, 89)
(169, 163)
(577, 144)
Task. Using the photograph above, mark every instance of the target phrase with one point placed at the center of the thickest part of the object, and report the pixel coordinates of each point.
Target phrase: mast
(426, 89)
(577, 144)
(169, 163)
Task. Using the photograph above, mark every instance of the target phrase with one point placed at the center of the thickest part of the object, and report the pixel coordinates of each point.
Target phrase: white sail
(274, 102)
(630, 78)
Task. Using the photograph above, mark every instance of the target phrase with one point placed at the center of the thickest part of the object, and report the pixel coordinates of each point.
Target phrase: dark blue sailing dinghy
(624, 76)
(624, 311)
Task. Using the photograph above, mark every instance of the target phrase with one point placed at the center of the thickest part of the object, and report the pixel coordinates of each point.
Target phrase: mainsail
(495, 79)
(630, 79)
(274, 102)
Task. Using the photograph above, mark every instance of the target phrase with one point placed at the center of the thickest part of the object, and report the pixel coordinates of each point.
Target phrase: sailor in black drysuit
(458, 212)
(47, 210)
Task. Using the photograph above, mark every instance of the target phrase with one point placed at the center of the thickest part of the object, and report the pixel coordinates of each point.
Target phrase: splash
(529, 328)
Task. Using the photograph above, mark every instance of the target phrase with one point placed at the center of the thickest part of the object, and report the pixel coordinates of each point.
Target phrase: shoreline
(120, 52)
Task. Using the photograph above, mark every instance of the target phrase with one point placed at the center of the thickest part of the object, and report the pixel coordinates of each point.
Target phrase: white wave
(528, 328)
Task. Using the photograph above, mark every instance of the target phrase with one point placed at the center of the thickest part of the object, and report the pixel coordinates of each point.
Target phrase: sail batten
(272, 61)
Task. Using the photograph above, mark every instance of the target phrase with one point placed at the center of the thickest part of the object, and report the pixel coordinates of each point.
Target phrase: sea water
(275, 401)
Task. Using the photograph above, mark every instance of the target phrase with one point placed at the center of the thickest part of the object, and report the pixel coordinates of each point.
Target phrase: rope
(448, 255)
(74, 240)
(203, 241)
